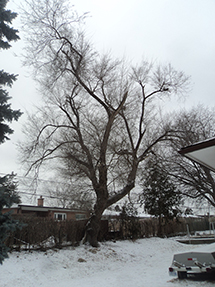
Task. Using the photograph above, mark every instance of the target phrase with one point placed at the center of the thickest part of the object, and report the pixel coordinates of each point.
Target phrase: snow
(206, 248)
(142, 263)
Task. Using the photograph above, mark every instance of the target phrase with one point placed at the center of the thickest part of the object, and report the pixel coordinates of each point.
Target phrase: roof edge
(197, 146)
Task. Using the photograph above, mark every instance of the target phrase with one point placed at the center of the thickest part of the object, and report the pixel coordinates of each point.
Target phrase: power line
(33, 179)
(36, 194)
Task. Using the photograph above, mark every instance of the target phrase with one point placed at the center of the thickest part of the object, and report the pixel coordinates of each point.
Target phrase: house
(202, 152)
(40, 210)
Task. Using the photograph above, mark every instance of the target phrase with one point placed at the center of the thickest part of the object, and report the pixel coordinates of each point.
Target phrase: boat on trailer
(197, 262)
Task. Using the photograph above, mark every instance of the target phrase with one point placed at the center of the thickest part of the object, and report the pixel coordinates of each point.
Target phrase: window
(80, 216)
(60, 216)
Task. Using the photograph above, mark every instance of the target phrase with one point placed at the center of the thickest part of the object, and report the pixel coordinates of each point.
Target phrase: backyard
(140, 263)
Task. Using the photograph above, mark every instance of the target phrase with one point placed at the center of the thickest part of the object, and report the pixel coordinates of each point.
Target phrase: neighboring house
(56, 213)
(202, 152)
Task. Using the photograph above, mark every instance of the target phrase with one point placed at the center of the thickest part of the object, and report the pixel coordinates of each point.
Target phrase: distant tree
(99, 119)
(8, 194)
(159, 195)
(69, 196)
(129, 221)
(7, 34)
(195, 181)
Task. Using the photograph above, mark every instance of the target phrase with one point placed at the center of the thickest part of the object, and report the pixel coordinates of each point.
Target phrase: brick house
(40, 210)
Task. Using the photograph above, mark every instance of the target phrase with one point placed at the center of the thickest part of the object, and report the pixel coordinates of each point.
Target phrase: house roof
(46, 208)
(202, 152)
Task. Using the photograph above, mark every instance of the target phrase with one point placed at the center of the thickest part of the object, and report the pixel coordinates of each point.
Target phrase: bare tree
(194, 180)
(100, 118)
(69, 194)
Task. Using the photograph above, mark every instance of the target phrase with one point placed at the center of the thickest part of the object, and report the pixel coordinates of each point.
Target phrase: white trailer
(200, 261)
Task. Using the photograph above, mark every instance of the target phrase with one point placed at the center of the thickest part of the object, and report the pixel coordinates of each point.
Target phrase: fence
(133, 228)
(43, 233)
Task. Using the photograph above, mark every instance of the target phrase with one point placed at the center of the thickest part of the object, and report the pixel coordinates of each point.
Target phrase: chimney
(40, 201)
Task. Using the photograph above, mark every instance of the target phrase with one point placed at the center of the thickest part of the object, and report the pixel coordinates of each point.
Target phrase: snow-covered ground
(143, 263)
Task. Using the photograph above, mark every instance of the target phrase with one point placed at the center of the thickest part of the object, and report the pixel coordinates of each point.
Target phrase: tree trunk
(92, 230)
(94, 223)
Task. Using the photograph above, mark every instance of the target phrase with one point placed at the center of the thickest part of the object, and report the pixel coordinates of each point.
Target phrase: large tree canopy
(99, 118)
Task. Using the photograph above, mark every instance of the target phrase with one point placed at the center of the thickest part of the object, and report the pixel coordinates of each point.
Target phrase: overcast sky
(180, 32)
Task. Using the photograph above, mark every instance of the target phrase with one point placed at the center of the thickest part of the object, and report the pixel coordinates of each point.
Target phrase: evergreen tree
(7, 34)
(8, 194)
(159, 196)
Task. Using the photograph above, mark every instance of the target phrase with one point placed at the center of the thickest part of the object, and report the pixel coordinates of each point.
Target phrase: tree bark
(92, 231)
(94, 223)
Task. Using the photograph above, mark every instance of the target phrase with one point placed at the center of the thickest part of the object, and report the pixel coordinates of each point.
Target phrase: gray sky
(180, 32)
